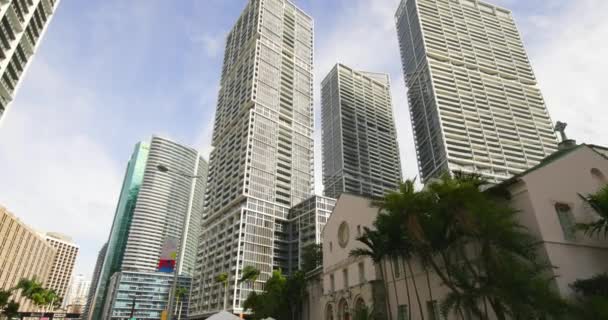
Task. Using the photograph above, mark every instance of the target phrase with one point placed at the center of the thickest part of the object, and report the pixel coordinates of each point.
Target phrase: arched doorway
(343, 310)
(329, 312)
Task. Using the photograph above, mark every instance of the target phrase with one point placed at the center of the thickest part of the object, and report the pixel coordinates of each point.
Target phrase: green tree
(10, 310)
(474, 244)
(180, 294)
(312, 257)
(223, 279)
(281, 299)
(598, 202)
(249, 275)
(592, 298)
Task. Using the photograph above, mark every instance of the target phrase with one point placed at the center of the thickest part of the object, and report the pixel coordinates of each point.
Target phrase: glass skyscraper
(360, 151)
(153, 209)
(262, 162)
(22, 26)
(474, 101)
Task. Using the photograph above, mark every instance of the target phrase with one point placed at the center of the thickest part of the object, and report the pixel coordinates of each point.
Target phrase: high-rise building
(62, 268)
(86, 313)
(77, 295)
(306, 222)
(23, 254)
(474, 101)
(360, 151)
(262, 162)
(117, 241)
(22, 26)
(157, 208)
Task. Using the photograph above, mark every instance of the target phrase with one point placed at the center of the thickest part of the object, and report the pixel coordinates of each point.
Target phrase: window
(402, 312)
(358, 230)
(432, 308)
(566, 220)
(361, 273)
(345, 276)
(332, 283)
(396, 268)
(599, 177)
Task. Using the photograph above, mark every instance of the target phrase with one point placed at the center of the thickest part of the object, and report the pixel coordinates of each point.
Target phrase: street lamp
(164, 169)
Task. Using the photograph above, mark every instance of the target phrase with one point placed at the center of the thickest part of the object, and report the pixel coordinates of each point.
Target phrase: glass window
(432, 308)
(361, 273)
(396, 268)
(566, 220)
(332, 283)
(402, 312)
(345, 275)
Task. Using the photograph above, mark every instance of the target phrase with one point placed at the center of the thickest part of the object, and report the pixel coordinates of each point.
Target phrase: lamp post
(165, 169)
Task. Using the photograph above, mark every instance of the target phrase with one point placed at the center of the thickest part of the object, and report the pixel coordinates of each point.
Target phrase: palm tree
(249, 275)
(180, 293)
(599, 202)
(223, 279)
(375, 248)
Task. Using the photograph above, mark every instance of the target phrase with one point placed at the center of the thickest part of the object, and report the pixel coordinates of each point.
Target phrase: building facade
(22, 26)
(86, 312)
(62, 269)
(474, 101)
(306, 222)
(159, 210)
(76, 298)
(144, 293)
(262, 162)
(360, 151)
(23, 254)
(347, 282)
(117, 241)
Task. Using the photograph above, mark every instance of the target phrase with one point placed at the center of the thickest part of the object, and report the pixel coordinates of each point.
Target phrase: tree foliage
(598, 202)
(312, 257)
(472, 242)
(281, 298)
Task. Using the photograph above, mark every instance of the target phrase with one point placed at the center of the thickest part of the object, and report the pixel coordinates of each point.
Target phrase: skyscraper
(62, 269)
(115, 247)
(155, 209)
(262, 162)
(474, 101)
(77, 295)
(101, 256)
(22, 25)
(360, 151)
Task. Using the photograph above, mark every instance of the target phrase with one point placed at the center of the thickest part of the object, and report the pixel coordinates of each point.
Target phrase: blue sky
(111, 73)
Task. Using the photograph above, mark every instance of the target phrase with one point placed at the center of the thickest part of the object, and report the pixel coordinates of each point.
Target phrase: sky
(110, 73)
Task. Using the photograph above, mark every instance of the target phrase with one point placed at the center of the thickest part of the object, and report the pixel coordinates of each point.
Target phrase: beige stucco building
(548, 198)
(23, 254)
(63, 265)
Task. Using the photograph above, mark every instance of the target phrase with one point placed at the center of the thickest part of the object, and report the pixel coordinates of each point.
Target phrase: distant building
(474, 101)
(62, 269)
(306, 222)
(77, 295)
(360, 151)
(23, 26)
(86, 312)
(158, 211)
(23, 254)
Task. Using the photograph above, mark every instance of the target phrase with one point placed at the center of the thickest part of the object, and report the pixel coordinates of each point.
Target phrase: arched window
(329, 312)
(360, 304)
(343, 310)
(599, 177)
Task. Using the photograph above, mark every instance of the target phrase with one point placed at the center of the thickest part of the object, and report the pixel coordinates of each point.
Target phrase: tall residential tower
(22, 25)
(360, 151)
(262, 162)
(474, 101)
